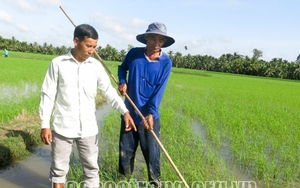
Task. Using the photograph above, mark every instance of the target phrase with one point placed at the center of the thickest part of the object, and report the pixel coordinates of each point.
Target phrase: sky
(205, 27)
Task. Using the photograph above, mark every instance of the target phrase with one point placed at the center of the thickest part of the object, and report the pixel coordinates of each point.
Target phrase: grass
(18, 137)
(215, 126)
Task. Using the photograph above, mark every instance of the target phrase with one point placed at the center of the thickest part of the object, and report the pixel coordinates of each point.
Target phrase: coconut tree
(170, 54)
(20, 46)
(282, 71)
(50, 50)
(224, 62)
(129, 47)
(109, 53)
(2, 43)
(188, 61)
(238, 66)
(257, 53)
(198, 61)
(177, 59)
(296, 72)
(298, 59)
(121, 55)
(269, 71)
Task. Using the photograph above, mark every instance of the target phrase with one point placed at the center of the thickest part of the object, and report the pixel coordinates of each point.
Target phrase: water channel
(33, 171)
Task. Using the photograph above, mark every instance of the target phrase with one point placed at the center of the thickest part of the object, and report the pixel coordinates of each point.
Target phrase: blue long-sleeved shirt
(146, 81)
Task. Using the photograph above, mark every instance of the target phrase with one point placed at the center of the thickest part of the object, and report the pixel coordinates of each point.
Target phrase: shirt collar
(160, 54)
(69, 56)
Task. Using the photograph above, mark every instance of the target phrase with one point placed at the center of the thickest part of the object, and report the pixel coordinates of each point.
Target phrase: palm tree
(170, 54)
(177, 59)
(121, 55)
(238, 66)
(199, 62)
(269, 71)
(109, 53)
(129, 47)
(298, 59)
(50, 50)
(224, 62)
(257, 53)
(188, 61)
(297, 73)
(23, 47)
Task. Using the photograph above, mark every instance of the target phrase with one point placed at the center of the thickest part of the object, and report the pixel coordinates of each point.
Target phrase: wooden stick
(138, 111)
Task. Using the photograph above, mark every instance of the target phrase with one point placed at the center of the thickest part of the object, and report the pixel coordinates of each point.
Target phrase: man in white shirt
(67, 107)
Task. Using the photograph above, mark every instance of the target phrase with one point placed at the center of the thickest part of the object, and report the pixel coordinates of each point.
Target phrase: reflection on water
(16, 94)
(223, 151)
(31, 172)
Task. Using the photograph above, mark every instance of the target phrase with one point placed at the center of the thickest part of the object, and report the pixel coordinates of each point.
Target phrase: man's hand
(148, 122)
(46, 136)
(123, 89)
(129, 124)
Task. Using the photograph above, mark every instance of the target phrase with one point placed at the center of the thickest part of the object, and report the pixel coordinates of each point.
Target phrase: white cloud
(139, 23)
(119, 29)
(195, 42)
(109, 23)
(21, 27)
(24, 5)
(49, 3)
(8, 19)
(224, 39)
(5, 17)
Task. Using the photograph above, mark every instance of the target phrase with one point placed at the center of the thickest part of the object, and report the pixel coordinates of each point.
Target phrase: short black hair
(85, 30)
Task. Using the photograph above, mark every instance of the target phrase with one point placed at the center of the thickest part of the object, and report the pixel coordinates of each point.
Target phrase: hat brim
(169, 42)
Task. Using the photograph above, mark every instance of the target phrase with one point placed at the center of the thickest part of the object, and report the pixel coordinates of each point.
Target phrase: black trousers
(128, 145)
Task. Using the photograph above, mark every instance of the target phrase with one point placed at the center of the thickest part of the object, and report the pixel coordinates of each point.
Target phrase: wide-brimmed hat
(156, 28)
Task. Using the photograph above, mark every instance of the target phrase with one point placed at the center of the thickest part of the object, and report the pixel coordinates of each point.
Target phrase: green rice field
(219, 129)
(223, 127)
(21, 78)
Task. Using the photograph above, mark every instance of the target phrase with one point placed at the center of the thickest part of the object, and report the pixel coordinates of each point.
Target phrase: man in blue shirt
(143, 75)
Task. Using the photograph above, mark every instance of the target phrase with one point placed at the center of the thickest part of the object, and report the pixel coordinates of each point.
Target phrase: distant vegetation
(229, 63)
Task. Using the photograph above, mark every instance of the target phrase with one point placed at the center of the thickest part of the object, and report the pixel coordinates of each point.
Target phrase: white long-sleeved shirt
(68, 96)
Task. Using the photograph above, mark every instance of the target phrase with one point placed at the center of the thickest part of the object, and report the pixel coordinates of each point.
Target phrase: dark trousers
(128, 145)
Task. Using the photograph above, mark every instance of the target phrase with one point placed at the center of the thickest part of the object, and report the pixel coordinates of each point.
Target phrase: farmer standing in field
(5, 52)
(148, 71)
(69, 88)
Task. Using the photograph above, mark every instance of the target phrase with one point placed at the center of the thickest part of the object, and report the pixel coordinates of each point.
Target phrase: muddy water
(224, 152)
(33, 172)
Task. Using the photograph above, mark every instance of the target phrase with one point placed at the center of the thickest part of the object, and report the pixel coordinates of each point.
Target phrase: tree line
(228, 63)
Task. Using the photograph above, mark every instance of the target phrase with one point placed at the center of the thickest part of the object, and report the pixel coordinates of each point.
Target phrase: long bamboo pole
(138, 111)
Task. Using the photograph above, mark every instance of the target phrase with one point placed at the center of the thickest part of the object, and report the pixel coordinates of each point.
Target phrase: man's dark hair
(85, 30)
